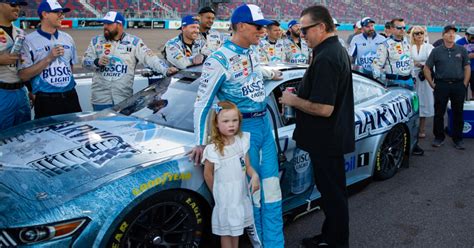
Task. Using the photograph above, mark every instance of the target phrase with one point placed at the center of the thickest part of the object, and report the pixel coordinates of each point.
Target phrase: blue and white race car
(120, 177)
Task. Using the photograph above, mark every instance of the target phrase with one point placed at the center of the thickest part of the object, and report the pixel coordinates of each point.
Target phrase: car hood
(58, 159)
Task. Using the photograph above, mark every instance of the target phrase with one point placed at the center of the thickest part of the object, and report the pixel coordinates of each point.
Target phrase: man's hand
(198, 59)
(277, 75)
(56, 51)
(171, 71)
(32, 99)
(196, 154)
(288, 98)
(103, 61)
(8, 59)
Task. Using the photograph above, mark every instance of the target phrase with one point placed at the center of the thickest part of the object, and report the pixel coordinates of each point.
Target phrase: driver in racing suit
(394, 58)
(233, 73)
(114, 56)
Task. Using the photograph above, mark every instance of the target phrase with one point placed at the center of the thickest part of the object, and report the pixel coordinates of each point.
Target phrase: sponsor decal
(403, 64)
(107, 52)
(160, 181)
(378, 119)
(125, 42)
(366, 60)
(66, 47)
(3, 39)
(107, 46)
(114, 70)
(253, 89)
(57, 74)
(302, 176)
(352, 164)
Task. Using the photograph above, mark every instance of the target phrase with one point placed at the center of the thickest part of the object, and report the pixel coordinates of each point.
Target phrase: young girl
(226, 164)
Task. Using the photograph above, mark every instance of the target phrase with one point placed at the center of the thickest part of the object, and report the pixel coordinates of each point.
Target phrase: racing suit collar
(181, 38)
(395, 39)
(236, 48)
(48, 35)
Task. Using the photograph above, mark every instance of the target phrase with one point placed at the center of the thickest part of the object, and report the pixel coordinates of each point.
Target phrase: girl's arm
(209, 174)
(254, 179)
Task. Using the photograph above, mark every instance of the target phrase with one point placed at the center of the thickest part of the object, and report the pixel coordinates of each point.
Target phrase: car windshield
(169, 102)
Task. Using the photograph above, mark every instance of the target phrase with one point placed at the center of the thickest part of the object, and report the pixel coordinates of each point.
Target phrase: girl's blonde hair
(216, 136)
(417, 29)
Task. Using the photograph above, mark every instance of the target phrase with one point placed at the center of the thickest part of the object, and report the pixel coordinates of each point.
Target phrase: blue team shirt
(364, 49)
(57, 77)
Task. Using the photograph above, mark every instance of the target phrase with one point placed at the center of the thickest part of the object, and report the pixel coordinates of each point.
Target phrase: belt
(253, 114)
(11, 86)
(449, 81)
(397, 77)
(65, 94)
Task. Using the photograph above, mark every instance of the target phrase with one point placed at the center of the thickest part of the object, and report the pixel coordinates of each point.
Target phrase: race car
(121, 177)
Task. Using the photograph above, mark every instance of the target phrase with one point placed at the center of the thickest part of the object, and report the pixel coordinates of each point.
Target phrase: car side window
(365, 89)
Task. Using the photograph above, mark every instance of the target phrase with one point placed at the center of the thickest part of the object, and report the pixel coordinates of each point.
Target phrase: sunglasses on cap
(304, 30)
(258, 27)
(419, 33)
(401, 27)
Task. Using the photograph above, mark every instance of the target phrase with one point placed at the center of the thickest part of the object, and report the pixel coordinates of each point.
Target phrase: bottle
(289, 111)
(18, 44)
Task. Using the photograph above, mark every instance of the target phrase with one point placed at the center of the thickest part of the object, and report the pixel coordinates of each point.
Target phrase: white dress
(424, 90)
(233, 208)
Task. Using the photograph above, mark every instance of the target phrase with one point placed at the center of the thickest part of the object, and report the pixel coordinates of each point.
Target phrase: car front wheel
(391, 153)
(169, 219)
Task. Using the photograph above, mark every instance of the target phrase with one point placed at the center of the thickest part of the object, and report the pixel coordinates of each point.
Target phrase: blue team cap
(51, 6)
(249, 13)
(23, 3)
(113, 17)
(365, 21)
(188, 20)
(292, 23)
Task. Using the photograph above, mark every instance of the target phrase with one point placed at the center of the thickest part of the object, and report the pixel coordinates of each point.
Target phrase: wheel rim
(166, 224)
(393, 149)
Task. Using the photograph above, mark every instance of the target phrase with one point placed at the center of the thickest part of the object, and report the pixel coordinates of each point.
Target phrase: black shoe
(315, 241)
(418, 151)
(459, 145)
(437, 143)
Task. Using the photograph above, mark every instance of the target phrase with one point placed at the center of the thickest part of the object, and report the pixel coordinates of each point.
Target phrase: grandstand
(435, 12)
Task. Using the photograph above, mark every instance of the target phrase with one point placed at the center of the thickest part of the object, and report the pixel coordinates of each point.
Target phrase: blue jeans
(263, 157)
(14, 107)
(99, 107)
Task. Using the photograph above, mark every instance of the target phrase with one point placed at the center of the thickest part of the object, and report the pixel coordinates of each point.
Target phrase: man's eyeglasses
(304, 30)
(14, 5)
(258, 27)
(401, 27)
(418, 33)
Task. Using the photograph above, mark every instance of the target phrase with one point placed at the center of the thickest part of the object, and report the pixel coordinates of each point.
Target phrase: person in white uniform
(420, 51)
(226, 163)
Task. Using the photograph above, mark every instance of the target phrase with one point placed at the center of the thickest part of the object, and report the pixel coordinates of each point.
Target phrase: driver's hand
(198, 59)
(277, 75)
(196, 154)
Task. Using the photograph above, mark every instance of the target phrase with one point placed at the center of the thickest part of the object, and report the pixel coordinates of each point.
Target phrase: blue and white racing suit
(233, 73)
(296, 54)
(212, 41)
(14, 103)
(364, 50)
(179, 55)
(113, 83)
(272, 51)
(395, 61)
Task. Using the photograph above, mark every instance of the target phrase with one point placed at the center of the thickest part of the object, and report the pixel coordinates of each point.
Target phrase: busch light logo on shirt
(115, 69)
(254, 89)
(403, 64)
(57, 74)
(366, 60)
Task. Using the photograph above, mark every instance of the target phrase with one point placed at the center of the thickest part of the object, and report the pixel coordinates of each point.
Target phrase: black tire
(391, 153)
(169, 219)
